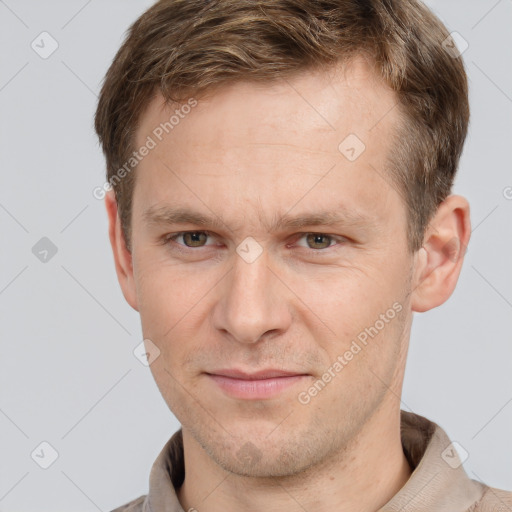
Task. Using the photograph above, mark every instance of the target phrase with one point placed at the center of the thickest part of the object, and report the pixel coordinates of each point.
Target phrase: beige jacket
(438, 482)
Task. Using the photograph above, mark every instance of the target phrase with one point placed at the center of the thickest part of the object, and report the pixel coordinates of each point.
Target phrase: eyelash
(185, 249)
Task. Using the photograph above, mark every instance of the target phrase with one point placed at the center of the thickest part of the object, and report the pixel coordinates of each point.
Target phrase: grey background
(67, 372)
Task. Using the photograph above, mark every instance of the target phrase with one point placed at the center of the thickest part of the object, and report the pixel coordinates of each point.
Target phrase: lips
(261, 385)
(260, 375)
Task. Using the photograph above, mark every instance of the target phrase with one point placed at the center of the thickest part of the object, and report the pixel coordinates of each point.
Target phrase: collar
(438, 481)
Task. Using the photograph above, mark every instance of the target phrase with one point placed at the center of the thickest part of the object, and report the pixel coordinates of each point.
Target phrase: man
(281, 205)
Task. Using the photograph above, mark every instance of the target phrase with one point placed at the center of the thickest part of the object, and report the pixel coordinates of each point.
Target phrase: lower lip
(255, 389)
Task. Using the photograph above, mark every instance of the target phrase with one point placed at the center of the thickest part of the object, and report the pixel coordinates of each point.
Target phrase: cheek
(166, 293)
(173, 304)
(359, 306)
(342, 298)
(362, 360)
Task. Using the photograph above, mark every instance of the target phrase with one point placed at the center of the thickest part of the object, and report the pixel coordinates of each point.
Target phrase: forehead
(266, 144)
(342, 98)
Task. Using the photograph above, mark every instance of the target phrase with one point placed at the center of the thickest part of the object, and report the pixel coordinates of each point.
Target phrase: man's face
(292, 297)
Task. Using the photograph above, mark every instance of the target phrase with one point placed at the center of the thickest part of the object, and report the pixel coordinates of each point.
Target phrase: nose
(252, 302)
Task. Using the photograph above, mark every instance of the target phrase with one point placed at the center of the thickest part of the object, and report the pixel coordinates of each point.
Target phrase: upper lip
(259, 375)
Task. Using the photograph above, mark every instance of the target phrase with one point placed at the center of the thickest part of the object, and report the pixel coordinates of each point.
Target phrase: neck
(363, 478)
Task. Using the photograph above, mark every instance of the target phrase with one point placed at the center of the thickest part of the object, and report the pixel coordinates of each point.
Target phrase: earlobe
(122, 257)
(439, 262)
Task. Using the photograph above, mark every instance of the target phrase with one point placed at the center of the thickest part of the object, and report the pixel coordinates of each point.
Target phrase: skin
(248, 155)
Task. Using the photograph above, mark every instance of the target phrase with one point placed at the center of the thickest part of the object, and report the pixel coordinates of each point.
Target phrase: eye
(318, 241)
(190, 238)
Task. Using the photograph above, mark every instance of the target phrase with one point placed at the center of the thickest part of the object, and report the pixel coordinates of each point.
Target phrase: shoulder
(494, 500)
(135, 505)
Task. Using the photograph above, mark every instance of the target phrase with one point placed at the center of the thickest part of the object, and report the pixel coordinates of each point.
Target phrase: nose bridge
(251, 304)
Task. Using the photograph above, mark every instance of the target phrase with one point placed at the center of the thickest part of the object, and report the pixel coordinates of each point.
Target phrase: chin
(263, 456)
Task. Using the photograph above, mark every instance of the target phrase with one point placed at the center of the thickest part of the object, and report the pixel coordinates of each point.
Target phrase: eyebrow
(169, 215)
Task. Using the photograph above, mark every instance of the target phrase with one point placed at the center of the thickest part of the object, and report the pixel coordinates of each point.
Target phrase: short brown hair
(184, 48)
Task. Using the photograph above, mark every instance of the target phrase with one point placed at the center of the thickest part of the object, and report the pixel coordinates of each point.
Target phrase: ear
(439, 261)
(122, 257)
